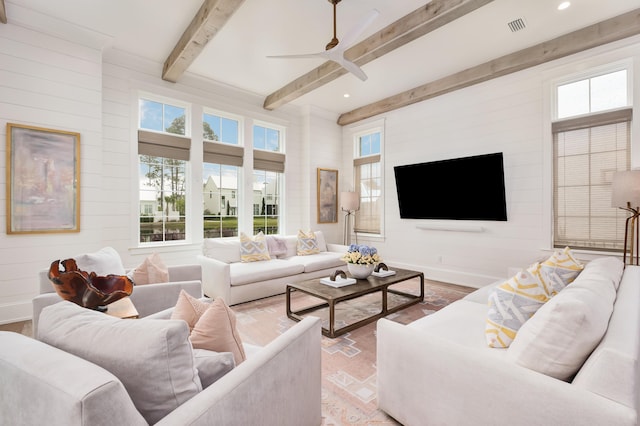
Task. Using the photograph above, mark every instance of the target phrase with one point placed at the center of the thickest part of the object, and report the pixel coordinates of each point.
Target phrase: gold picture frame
(327, 196)
(43, 180)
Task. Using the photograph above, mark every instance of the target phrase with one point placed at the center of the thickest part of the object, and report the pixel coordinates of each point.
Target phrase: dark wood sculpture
(86, 288)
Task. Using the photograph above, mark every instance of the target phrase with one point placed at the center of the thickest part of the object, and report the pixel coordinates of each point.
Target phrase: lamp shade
(349, 201)
(625, 188)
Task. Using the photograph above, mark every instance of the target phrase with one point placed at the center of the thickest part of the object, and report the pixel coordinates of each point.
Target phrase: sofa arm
(337, 248)
(151, 298)
(216, 278)
(185, 273)
(279, 385)
(423, 376)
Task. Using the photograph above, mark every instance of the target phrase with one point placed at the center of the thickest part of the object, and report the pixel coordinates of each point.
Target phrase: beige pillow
(151, 271)
(189, 309)
(216, 331)
(253, 249)
(307, 243)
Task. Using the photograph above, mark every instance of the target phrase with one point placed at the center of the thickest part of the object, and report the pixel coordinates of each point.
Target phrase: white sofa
(224, 275)
(46, 383)
(439, 370)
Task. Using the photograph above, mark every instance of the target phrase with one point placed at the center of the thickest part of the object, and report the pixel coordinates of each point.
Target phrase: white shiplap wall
(510, 114)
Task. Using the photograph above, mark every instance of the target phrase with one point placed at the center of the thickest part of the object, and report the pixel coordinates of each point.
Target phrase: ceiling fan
(334, 51)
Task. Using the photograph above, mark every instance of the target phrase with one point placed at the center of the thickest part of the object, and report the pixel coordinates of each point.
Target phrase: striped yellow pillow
(253, 249)
(307, 243)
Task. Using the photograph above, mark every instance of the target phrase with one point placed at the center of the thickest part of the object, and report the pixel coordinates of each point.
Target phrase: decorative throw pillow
(277, 246)
(253, 249)
(189, 309)
(559, 270)
(152, 358)
(307, 243)
(105, 261)
(511, 304)
(151, 271)
(216, 331)
(212, 365)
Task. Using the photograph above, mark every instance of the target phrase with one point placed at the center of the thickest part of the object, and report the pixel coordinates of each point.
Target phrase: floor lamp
(350, 203)
(625, 194)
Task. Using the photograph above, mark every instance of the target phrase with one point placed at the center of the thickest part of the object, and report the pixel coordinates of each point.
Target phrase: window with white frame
(163, 154)
(367, 166)
(268, 178)
(219, 128)
(591, 141)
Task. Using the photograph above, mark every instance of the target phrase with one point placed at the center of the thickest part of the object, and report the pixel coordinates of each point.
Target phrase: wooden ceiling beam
(610, 30)
(211, 17)
(421, 21)
(3, 12)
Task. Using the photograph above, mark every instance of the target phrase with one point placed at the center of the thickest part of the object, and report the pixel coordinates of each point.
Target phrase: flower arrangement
(361, 255)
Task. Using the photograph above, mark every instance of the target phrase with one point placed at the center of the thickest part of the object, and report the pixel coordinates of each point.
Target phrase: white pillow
(153, 358)
(227, 251)
(103, 262)
(557, 340)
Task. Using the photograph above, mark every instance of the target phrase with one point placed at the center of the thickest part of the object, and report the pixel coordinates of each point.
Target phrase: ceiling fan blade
(352, 68)
(352, 35)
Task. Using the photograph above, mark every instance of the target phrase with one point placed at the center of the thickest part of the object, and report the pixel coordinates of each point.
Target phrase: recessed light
(564, 5)
(346, 95)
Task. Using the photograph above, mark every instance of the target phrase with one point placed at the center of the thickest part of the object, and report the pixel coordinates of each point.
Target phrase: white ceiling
(237, 55)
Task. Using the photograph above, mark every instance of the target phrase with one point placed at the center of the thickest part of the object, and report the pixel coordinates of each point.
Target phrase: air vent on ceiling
(517, 25)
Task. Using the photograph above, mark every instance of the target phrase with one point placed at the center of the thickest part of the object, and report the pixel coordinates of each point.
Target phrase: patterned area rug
(349, 361)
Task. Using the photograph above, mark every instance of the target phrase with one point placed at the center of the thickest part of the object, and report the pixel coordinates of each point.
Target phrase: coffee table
(332, 296)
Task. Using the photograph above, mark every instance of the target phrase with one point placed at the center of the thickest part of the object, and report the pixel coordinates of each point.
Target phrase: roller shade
(223, 154)
(270, 161)
(163, 145)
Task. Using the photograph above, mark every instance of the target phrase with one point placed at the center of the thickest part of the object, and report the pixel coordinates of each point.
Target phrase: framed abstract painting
(43, 180)
(327, 196)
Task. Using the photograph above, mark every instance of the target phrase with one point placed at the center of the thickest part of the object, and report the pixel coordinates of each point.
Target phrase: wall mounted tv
(469, 188)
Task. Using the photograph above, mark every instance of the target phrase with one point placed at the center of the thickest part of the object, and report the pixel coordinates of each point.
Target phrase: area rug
(349, 361)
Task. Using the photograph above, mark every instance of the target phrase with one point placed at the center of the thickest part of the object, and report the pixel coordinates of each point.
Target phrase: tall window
(368, 180)
(221, 171)
(591, 139)
(268, 176)
(163, 155)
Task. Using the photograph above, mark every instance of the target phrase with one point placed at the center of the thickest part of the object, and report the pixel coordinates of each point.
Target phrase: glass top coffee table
(331, 296)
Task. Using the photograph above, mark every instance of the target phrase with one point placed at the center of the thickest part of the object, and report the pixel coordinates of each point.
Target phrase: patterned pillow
(307, 243)
(560, 270)
(514, 302)
(253, 249)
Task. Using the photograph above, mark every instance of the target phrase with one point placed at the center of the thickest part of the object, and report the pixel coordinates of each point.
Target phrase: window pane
(174, 119)
(273, 140)
(220, 129)
(220, 188)
(266, 201)
(162, 199)
(259, 137)
(150, 115)
(573, 99)
(211, 127)
(229, 131)
(609, 91)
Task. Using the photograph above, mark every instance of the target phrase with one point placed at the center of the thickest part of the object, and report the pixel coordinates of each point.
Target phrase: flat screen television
(468, 188)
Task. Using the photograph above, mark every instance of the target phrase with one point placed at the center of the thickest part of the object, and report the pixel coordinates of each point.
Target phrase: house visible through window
(163, 152)
(591, 141)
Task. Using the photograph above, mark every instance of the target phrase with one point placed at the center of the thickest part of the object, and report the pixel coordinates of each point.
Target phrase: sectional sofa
(574, 362)
(225, 275)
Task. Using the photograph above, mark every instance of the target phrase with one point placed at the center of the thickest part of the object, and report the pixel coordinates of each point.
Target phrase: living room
(65, 77)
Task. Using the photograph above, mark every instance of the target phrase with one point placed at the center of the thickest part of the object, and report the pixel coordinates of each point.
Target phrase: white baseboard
(451, 276)
(14, 312)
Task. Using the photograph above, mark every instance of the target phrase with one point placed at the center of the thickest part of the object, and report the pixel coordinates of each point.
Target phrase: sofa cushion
(307, 243)
(560, 336)
(212, 365)
(103, 262)
(253, 249)
(224, 250)
(319, 261)
(152, 358)
(216, 331)
(151, 271)
(247, 273)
